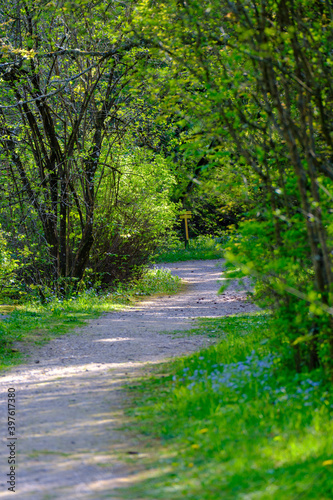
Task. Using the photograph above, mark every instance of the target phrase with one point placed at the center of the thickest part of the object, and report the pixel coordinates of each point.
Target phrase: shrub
(131, 220)
(8, 266)
(284, 283)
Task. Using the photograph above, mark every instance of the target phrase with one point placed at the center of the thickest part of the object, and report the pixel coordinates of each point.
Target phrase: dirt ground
(69, 396)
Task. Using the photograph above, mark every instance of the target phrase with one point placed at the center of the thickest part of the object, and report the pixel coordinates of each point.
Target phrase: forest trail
(69, 395)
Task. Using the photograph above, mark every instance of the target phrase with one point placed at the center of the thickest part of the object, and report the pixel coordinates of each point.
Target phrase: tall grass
(234, 423)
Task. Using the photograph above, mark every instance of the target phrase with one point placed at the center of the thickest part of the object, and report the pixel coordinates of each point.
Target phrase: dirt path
(69, 404)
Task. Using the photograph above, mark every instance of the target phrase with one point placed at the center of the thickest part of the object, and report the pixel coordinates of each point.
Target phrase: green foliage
(130, 222)
(251, 86)
(72, 106)
(284, 282)
(8, 265)
(232, 423)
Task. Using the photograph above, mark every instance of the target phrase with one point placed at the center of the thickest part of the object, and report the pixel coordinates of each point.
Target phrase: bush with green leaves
(8, 266)
(131, 221)
(251, 83)
(284, 283)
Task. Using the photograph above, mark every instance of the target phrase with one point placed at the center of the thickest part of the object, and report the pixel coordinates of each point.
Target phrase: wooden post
(186, 216)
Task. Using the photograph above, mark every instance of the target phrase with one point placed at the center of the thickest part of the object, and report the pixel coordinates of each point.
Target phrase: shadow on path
(69, 404)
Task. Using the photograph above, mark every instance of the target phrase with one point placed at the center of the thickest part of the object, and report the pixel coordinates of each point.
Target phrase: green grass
(36, 323)
(231, 422)
(200, 248)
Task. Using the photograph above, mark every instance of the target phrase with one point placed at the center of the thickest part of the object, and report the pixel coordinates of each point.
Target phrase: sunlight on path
(69, 399)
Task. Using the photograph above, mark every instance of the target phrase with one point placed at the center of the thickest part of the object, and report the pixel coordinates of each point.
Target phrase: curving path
(69, 405)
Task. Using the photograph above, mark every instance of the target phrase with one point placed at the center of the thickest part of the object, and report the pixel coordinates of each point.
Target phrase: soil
(70, 397)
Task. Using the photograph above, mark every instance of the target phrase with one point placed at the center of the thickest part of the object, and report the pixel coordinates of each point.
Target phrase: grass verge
(231, 422)
(200, 248)
(34, 323)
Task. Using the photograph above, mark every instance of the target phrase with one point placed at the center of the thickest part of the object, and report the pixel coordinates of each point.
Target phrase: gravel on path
(69, 404)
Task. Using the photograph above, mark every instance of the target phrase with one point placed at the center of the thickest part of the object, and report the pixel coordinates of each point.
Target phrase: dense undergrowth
(233, 422)
(33, 322)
